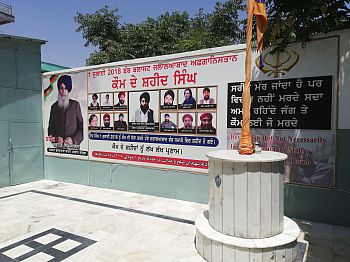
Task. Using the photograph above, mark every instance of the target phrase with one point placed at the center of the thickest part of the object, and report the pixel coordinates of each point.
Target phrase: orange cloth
(259, 10)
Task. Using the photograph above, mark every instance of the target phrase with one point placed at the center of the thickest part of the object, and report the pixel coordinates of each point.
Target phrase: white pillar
(246, 193)
(245, 219)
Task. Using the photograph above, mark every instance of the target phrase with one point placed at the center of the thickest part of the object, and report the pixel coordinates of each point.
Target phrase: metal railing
(5, 8)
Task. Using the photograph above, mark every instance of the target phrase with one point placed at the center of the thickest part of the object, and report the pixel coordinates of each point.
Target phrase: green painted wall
(20, 111)
(317, 204)
(171, 184)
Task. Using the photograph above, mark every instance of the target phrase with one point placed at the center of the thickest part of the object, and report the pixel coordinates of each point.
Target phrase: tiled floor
(120, 226)
(50, 245)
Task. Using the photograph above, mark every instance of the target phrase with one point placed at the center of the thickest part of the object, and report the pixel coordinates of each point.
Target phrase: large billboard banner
(164, 113)
(168, 112)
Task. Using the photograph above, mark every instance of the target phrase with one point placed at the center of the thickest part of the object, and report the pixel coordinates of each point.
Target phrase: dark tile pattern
(48, 248)
(126, 209)
(176, 219)
(15, 194)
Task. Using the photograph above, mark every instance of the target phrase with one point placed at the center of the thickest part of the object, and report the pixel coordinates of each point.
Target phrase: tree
(177, 32)
(167, 34)
(297, 20)
(101, 29)
(222, 27)
(225, 23)
(198, 35)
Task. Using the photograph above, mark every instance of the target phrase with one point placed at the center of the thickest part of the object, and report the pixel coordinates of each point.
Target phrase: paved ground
(53, 221)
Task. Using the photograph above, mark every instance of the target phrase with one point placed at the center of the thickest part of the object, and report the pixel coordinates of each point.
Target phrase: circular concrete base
(215, 246)
(234, 156)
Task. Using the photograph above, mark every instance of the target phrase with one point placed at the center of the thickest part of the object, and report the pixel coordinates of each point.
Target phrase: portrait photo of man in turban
(188, 125)
(206, 125)
(121, 97)
(106, 122)
(66, 120)
(168, 99)
(144, 114)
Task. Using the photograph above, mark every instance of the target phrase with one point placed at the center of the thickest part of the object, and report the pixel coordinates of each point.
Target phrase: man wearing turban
(66, 120)
(144, 114)
(106, 120)
(121, 100)
(206, 125)
(187, 120)
(169, 97)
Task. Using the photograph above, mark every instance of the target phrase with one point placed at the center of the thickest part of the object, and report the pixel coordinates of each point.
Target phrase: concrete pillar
(245, 221)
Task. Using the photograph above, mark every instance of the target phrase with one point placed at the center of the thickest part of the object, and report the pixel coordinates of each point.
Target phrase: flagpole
(245, 144)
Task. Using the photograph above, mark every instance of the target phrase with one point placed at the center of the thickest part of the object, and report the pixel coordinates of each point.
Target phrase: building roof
(21, 38)
(49, 67)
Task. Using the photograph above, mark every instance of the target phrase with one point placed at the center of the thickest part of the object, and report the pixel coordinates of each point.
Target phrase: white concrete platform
(216, 246)
(245, 220)
(234, 156)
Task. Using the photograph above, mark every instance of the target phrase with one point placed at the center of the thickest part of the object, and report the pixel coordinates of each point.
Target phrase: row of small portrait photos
(182, 122)
(182, 98)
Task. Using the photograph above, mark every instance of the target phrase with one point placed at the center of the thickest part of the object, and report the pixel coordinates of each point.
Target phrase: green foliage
(297, 20)
(167, 34)
(177, 32)
(155, 36)
(99, 28)
(225, 22)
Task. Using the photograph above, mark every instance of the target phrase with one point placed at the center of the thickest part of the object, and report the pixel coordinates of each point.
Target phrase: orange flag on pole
(254, 7)
(259, 10)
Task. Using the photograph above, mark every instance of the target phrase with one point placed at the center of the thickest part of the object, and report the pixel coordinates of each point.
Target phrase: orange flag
(259, 10)
(254, 7)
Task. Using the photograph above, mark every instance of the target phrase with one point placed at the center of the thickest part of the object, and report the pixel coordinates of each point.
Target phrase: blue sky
(53, 21)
